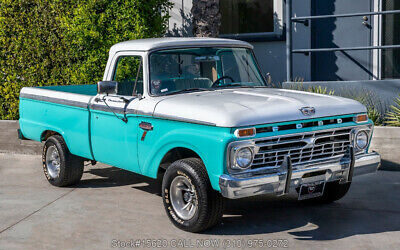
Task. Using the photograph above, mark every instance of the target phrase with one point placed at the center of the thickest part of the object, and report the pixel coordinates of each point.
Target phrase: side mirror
(107, 87)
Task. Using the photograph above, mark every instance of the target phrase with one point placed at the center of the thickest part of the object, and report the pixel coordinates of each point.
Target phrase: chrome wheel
(183, 197)
(53, 162)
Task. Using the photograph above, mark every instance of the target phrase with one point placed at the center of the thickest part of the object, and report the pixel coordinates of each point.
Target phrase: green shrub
(393, 117)
(376, 109)
(66, 42)
(320, 90)
(298, 85)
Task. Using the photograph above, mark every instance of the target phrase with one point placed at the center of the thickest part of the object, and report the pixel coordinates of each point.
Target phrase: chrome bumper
(287, 178)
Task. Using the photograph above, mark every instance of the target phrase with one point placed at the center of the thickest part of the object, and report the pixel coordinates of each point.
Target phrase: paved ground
(112, 206)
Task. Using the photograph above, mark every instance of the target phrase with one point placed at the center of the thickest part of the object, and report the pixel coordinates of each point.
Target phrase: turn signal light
(361, 118)
(245, 132)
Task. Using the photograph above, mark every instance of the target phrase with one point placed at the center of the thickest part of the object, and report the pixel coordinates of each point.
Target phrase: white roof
(166, 42)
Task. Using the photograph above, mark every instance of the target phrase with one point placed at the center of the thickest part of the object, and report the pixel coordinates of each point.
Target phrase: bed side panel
(65, 113)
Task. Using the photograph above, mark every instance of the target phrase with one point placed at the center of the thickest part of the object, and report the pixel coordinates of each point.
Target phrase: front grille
(302, 148)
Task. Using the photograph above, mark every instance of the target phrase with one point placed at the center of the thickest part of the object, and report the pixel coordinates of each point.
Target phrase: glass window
(391, 36)
(246, 16)
(202, 69)
(129, 75)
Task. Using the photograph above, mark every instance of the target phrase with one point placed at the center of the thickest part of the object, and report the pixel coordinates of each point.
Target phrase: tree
(66, 42)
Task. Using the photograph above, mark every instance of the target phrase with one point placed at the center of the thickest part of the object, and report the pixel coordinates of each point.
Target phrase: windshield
(196, 69)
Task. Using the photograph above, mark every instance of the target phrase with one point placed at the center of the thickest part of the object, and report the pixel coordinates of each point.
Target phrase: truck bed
(63, 109)
(90, 89)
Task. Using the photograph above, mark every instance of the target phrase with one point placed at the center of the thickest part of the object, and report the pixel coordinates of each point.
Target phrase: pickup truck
(197, 112)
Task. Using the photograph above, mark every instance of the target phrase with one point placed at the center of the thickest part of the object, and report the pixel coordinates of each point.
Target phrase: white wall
(271, 55)
(180, 23)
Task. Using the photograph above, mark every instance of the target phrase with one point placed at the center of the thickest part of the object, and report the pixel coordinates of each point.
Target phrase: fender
(208, 142)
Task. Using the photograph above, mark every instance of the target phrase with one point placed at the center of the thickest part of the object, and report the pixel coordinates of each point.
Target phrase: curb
(386, 141)
(9, 142)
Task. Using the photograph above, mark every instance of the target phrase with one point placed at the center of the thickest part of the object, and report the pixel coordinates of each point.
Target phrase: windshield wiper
(239, 85)
(187, 91)
(255, 87)
(229, 85)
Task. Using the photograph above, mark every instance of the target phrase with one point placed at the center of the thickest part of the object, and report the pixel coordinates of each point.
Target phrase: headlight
(361, 140)
(243, 158)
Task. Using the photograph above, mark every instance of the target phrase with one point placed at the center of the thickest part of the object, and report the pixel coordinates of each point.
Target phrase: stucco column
(206, 18)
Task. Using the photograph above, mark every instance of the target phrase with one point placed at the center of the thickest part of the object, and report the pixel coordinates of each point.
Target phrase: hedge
(58, 42)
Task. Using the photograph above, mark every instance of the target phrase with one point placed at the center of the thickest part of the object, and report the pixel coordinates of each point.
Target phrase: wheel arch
(48, 133)
(174, 154)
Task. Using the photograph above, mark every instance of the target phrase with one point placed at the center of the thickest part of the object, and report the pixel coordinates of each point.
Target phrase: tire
(187, 178)
(333, 191)
(60, 167)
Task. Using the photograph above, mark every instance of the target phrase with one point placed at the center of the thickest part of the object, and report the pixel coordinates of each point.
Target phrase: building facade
(359, 49)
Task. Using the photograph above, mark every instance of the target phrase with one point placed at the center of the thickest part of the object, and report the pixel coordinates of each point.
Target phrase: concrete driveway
(114, 208)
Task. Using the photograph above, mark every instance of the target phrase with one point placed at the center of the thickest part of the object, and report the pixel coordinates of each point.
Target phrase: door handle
(146, 126)
(365, 22)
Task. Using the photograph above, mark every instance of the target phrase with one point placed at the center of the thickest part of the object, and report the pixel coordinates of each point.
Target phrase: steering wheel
(216, 83)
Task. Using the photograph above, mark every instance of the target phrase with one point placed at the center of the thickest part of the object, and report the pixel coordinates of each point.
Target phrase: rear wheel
(189, 200)
(333, 191)
(60, 167)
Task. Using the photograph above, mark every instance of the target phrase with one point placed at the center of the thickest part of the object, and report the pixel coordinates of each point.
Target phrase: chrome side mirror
(107, 87)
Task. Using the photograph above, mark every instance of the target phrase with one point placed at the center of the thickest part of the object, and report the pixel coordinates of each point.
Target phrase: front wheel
(189, 200)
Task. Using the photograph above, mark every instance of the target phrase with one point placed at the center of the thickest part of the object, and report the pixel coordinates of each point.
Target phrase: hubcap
(183, 197)
(53, 162)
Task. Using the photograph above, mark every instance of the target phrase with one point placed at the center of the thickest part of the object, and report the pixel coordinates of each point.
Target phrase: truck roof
(167, 42)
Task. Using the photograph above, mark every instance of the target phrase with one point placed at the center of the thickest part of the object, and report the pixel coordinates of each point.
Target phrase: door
(340, 33)
(391, 36)
(114, 141)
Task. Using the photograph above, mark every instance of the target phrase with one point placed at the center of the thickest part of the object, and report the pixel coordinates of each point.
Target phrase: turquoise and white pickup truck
(197, 113)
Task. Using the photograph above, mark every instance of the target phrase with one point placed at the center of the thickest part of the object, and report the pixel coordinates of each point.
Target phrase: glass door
(391, 36)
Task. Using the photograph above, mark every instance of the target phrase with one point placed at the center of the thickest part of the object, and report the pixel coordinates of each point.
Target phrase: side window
(129, 75)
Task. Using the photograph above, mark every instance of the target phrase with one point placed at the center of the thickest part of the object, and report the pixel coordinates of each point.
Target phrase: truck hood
(251, 106)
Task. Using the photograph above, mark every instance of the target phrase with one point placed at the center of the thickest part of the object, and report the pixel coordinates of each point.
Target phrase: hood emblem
(308, 111)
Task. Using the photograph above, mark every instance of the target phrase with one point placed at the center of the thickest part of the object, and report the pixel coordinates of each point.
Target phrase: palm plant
(393, 117)
(320, 90)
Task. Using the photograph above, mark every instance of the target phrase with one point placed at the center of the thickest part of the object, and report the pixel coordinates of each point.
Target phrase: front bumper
(286, 178)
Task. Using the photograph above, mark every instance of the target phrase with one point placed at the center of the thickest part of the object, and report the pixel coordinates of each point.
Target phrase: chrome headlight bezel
(238, 154)
(367, 129)
(366, 141)
(233, 150)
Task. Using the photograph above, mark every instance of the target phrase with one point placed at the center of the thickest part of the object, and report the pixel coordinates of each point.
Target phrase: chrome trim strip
(310, 132)
(116, 110)
(180, 119)
(119, 110)
(54, 100)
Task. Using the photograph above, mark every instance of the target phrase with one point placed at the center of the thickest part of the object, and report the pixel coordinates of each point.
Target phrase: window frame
(113, 66)
(148, 77)
(276, 35)
(116, 65)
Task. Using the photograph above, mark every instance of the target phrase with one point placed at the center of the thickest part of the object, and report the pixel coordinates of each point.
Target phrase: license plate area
(311, 190)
